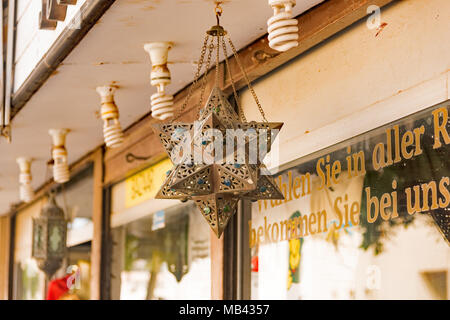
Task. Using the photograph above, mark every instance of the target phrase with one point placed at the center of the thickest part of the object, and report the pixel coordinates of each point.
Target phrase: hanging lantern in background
(49, 237)
(220, 179)
(162, 103)
(26, 192)
(61, 172)
(112, 131)
(282, 28)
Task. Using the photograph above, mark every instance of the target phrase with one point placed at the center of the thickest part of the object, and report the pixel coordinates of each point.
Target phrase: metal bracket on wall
(261, 56)
(55, 10)
(129, 157)
(6, 132)
(44, 22)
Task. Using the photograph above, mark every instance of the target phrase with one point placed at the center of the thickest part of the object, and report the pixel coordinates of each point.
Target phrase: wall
(359, 80)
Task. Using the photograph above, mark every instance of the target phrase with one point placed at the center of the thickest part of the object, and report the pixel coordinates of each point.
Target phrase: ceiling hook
(218, 10)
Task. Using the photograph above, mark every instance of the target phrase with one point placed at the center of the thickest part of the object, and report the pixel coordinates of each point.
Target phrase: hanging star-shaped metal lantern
(210, 168)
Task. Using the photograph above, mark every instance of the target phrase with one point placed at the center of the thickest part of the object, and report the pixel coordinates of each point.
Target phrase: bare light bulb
(112, 131)
(162, 103)
(283, 30)
(61, 172)
(26, 192)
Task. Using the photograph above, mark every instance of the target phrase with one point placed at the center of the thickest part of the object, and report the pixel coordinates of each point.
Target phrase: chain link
(203, 85)
(246, 78)
(217, 59)
(208, 62)
(196, 77)
(236, 98)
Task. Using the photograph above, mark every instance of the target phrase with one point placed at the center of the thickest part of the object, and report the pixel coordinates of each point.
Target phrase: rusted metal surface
(56, 11)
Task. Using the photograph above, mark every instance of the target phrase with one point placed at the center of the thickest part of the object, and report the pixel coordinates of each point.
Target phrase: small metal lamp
(49, 237)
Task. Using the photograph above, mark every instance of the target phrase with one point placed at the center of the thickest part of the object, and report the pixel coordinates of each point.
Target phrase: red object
(255, 264)
(57, 288)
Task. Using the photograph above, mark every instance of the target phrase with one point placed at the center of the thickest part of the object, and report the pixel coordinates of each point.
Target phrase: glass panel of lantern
(39, 241)
(49, 234)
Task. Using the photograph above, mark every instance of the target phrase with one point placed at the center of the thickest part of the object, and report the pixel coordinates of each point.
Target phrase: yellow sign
(145, 184)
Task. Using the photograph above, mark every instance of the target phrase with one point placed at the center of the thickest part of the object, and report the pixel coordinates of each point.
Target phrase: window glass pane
(30, 281)
(366, 219)
(76, 199)
(164, 256)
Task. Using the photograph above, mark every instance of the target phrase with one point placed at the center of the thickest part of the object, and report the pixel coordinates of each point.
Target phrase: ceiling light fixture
(61, 172)
(112, 131)
(282, 28)
(162, 103)
(26, 192)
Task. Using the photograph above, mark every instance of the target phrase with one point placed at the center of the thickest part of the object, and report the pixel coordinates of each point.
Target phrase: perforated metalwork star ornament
(221, 178)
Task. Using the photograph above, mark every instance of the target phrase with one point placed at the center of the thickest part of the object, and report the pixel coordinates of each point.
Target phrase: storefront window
(79, 268)
(29, 281)
(75, 197)
(163, 256)
(366, 219)
(76, 200)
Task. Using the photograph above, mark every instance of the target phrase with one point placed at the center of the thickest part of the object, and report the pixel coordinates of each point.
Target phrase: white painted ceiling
(113, 51)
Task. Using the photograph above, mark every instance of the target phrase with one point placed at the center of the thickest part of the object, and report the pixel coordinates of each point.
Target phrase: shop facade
(80, 203)
(362, 160)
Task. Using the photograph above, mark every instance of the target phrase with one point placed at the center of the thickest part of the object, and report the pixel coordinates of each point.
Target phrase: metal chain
(218, 11)
(203, 84)
(217, 59)
(47, 178)
(236, 98)
(67, 215)
(196, 77)
(246, 78)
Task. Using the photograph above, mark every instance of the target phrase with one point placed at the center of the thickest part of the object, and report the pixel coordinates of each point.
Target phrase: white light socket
(158, 51)
(26, 192)
(58, 136)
